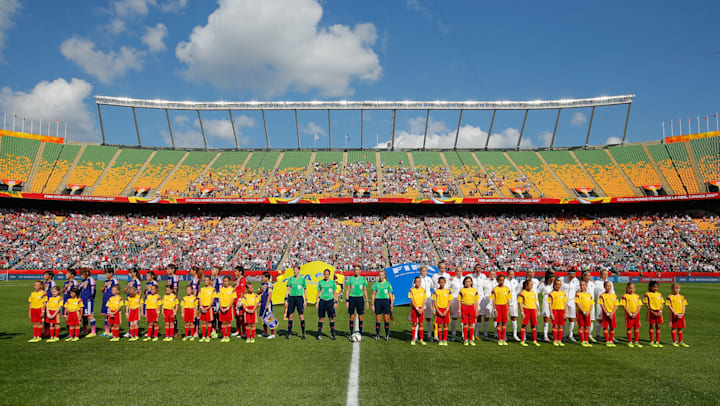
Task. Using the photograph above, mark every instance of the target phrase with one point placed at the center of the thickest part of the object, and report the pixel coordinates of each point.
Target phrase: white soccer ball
(356, 337)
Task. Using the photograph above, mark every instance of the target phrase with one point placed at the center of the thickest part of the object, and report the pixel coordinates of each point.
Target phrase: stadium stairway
(378, 171)
(91, 189)
(161, 186)
(35, 165)
(535, 190)
(127, 191)
(498, 190)
(598, 190)
(308, 173)
(63, 183)
(660, 174)
(460, 192)
(207, 168)
(696, 168)
(634, 188)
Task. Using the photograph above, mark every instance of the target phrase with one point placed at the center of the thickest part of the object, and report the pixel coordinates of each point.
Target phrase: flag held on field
(269, 318)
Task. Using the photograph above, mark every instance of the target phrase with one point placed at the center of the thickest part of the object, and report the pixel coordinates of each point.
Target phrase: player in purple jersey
(266, 301)
(49, 284)
(110, 281)
(195, 277)
(134, 281)
(87, 295)
(174, 284)
(217, 283)
(70, 284)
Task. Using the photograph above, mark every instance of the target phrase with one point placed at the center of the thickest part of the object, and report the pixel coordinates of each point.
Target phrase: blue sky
(57, 55)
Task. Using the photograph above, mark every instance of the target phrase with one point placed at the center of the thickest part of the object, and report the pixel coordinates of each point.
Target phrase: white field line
(354, 377)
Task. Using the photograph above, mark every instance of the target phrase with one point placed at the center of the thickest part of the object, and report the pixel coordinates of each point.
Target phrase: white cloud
(439, 136)
(128, 8)
(613, 140)
(312, 128)
(276, 45)
(55, 100)
(116, 26)
(7, 10)
(181, 120)
(545, 138)
(104, 66)
(416, 5)
(154, 37)
(578, 119)
(173, 6)
(191, 136)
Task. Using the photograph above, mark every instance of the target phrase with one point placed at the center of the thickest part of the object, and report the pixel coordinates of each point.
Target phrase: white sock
(514, 326)
(453, 325)
(545, 329)
(599, 327)
(429, 330)
(572, 329)
(591, 328)
(477, 329)
(485, 326)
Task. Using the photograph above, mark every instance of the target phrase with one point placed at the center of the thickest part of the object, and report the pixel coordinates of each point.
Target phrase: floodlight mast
(392, 106)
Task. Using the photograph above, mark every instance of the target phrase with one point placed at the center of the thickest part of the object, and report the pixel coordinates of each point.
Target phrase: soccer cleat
(537, 344)
(638, 345)
(214, 334)
(593, 339)
(225, 340)
(387, 338)
(91, 335)
(35, 340)
(287, 337)
(303, 337)
(247, 340)
(500, 343)
(186, 338)
(115, 339)
(652, 344)
(466, 343)
(571, 338)
(167, 339)
(377, 337)
(147, 338)
(472, 343)
(658, 345)
(630, 345)
(413, 342)
(561, 344)
(134, 338)
(319, 337)
(516, 338)
(422, 342)
(155, 339)
(332, 337)
(271, 336)
(682, 344)
(555, 343)
(192, 338)
(235, 334)
(609, 344)
(67, 339)
(674, 344)
(126, 335)
(547, 340)
(523, 343)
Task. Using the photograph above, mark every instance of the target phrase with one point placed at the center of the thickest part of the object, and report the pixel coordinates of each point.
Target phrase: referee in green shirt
(382, 299)
(296, 299)
(356, 299)
(326, 301)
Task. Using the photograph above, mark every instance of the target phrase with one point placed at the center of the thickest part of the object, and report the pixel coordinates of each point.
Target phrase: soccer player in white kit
(571, 285)
(477, 277)
(486, 305)
(587, 277)
(515, 288)
(442, 272)
(427, 283)
(546, 289)
(599, 289)
(455, 284)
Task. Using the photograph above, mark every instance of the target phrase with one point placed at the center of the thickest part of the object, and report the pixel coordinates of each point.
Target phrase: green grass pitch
(95, 371)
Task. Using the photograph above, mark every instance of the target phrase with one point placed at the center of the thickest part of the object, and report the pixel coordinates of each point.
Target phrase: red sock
(192, 330)
(253, 332)
(420, 333)
(652, 335)
(37, 331)
(629, 335)
(637, 336)
(464, 332)
(674, 335)
(534, 334)
(187, 330)
(471, 332)
(504, 332)
(612, 335)
(560, 333)
(167, 331)
(499, 332)
(522, 333)
(680, 334)
(657, 336)
(607, 337)
(116, 333)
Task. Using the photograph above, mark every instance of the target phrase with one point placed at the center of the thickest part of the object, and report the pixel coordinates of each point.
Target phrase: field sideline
(279, 371)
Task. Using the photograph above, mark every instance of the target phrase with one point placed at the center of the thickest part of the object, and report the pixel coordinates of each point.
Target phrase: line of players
(447, 298)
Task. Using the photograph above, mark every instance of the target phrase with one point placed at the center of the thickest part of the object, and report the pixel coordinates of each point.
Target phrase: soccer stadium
(347, 250)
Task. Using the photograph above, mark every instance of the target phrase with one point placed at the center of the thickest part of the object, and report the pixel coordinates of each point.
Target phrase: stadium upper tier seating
(644, 241)
(686, 167)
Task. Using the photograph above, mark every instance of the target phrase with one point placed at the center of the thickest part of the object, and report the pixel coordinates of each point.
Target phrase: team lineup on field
(437, 303)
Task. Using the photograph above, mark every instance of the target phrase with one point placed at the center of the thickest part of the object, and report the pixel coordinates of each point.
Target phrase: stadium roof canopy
(360, 106)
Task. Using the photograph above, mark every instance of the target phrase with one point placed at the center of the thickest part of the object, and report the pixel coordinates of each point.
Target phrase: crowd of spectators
(646, 242)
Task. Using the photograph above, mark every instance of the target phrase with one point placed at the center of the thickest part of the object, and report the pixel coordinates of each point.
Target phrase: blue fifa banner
(269, 318)
(401, 278)
(697, 279)
(619, 279)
